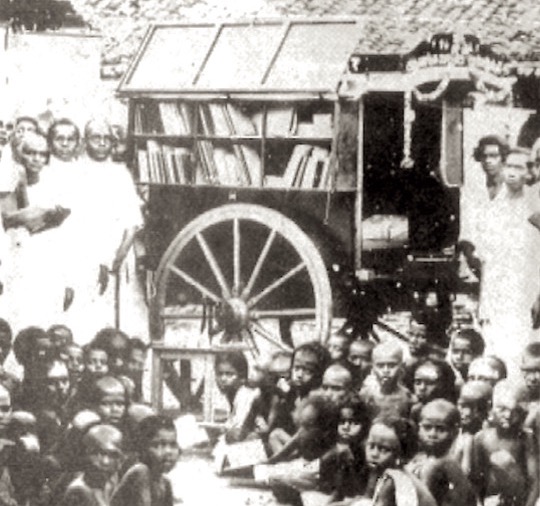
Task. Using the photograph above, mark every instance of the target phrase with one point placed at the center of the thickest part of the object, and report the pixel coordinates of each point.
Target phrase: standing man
(109, 217)
(510, 269)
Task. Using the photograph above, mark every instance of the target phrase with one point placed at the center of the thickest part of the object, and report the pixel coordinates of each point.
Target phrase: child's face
(461, 354)
(97, 363)
(104, 460)
(75, 361)
(112, 407)
(304, 370)
(349, 429)
(482, 371)
(136, 360)
(337, 347)
(360, 357)
(387, 369)
(117, 357)
(435, 433)
(335, 385)
(426, 380)
(163, 451)
(227, 378)
(417, 339)
(532, 381)
(470, 414)
(58, 384)
(382, 447)
(507, 415)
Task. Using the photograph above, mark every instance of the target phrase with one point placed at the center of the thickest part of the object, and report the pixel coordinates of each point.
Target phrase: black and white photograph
(270, 252)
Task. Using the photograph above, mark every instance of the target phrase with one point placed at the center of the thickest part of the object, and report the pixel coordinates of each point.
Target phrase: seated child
(231, 371)
(360, 360)
(473, 405)
(338, 347)
(466, 344)
(352, 429)
(418, 346)
(433, 379)
(487, 368)
(136, 359)
(75, 364)
(433, 463)
(273, 382)
(116, 345)
(337, 383)
(505, 458)
(386, 395)
(103, 453)
(530, 368)
(108, 398)
(309, 361)
(389, 444)
(145, 482)
(315, 439)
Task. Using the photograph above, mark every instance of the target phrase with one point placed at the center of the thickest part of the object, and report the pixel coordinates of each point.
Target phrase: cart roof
(262, 58)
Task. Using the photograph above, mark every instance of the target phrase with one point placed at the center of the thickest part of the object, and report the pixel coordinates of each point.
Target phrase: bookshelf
(234, 144)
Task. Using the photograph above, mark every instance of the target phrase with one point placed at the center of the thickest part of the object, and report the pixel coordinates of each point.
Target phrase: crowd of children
(74, 430)
(370, 423)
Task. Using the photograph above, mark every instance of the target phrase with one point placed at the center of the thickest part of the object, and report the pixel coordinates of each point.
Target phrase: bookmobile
(291, 180)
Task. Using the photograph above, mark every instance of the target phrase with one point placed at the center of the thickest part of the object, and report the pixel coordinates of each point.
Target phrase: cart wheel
(244, 266)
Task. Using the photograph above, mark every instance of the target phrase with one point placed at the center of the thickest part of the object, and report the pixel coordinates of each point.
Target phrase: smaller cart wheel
(245, 264)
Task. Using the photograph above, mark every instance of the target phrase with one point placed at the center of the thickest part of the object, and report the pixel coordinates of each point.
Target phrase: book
(299, 155)
(314, 167)
(219, 122)
(183, 166)
(142, 163)
(171, 119)
(281, 121)
(242, 124)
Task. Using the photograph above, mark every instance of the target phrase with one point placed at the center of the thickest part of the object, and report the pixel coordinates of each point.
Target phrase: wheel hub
(233, 315)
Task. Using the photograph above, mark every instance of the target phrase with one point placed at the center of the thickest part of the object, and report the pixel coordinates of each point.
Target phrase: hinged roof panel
(243, 57)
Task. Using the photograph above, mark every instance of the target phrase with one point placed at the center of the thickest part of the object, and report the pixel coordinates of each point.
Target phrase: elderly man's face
(99, 142)
(35, 153)
(64, 142)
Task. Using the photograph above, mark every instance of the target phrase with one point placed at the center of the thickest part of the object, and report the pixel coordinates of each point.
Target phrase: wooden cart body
(392, 130)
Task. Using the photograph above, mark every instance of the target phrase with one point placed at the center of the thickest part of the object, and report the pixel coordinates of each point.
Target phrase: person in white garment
(507, 246)
(490, 152)
(108, 216)
(38, 291)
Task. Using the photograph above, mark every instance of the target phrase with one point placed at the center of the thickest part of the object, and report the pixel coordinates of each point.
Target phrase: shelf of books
(263, 145)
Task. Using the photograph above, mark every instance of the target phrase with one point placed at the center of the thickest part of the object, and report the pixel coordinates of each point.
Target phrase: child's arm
(480, 466)
(242, 416)
(286, 451)
(531, 449)
(386, 492)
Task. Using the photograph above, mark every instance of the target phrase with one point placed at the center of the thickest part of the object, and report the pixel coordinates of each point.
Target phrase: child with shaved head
(103, 452)
(386, 395)
(473, 405)
(433, 464)
(505, 460)
(337, 383)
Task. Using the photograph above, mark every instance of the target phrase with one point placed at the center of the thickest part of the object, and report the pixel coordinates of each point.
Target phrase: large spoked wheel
(247, 266)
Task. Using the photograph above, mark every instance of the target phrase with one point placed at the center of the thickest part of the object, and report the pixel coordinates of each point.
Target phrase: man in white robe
(108, 216)
(508, 247)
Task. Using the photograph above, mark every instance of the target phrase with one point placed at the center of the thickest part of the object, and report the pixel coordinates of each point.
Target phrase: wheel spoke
(211, 259)
(236, 254)
(194, 283)
(280, 313)
(257, 328)
(276, 284)
(260, 261)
